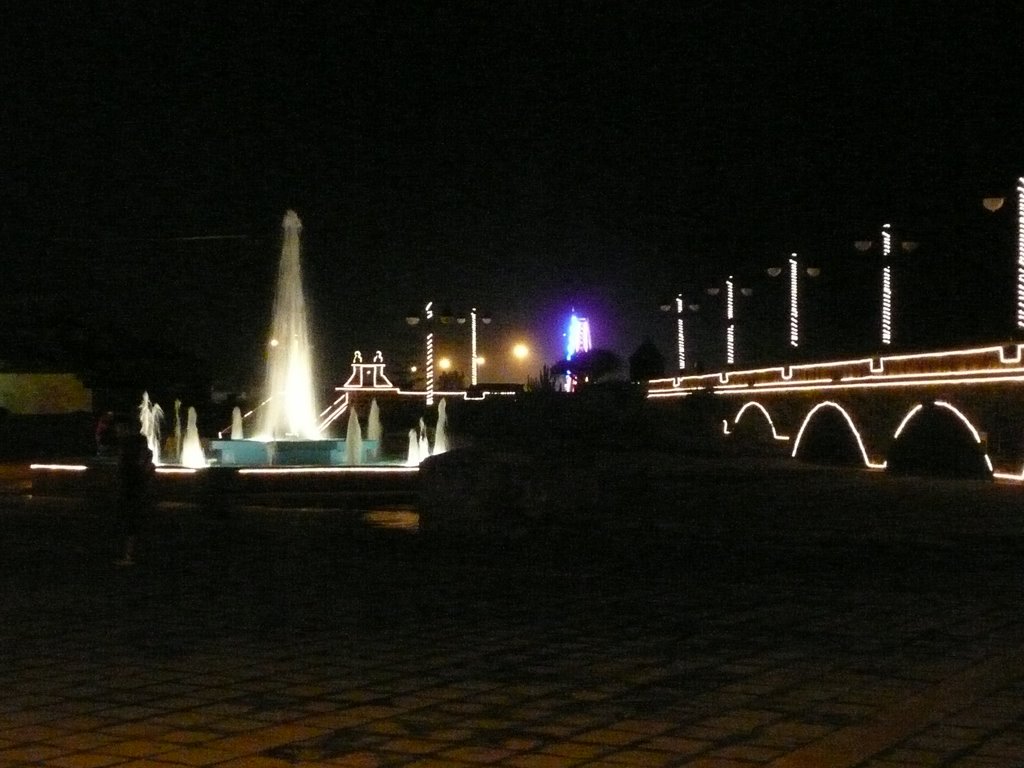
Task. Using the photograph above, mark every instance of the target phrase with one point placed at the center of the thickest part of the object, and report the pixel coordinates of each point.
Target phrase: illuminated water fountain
(414, 449)
(237, 432)
(290, 411)
(419, 441)
(192, 448)
(286, 449)
(353, 440)
(424, 444)
(374, 428)
(151, 417)
(441, 430)
(289, 430)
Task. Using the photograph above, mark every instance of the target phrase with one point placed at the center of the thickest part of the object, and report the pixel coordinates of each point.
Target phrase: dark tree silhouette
(450, 381)
(544, 382)
(646, 362)
(589, 367)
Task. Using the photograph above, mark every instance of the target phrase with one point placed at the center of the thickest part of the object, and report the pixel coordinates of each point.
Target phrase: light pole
(993, 204)
(888, 291)
(484, 318)
(730, 315)
(474, 316)
(446, 317)
(413, 318)
(681, 306)
(794, 272)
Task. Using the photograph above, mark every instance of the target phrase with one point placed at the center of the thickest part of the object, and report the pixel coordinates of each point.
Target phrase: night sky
(523, 157)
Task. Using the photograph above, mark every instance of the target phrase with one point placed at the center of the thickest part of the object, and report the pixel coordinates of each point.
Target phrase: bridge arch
(757, 427)
(828, 435)
(936, 438)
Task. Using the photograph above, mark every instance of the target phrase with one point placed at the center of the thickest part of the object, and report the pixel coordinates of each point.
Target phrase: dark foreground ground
(744, 614)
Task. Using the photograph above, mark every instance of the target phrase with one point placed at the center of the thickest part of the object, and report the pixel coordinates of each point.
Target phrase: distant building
(33, 393)
(53, 363)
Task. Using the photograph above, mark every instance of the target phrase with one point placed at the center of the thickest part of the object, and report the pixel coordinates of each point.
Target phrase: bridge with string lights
(955, 411)
(959, 410)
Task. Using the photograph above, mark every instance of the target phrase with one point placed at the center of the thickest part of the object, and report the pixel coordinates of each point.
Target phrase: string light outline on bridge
(956, 412)
(853, 428)
(684, 385)
(895, 381)
(1009, 370)
(739, 414)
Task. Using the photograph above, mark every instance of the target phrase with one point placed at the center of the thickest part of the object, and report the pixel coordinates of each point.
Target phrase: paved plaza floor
(738, 614)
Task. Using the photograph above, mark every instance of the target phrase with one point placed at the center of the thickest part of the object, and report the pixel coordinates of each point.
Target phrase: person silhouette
(135, 469)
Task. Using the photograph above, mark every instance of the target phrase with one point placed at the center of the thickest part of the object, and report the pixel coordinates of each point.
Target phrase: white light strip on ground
(327, 470)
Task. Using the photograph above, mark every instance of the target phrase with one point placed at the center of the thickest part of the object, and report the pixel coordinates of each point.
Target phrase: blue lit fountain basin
(286, 453)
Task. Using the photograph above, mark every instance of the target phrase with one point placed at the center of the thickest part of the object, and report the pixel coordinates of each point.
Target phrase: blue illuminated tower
(578, 336)
(578, 340)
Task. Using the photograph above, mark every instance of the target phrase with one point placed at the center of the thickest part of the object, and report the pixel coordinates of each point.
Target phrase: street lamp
(993, 204)
(887, 244)
(446, 317)
(681, 306)
(730, 315)
(413, 318)
(484, 318)
(794, 294)
(474, 358)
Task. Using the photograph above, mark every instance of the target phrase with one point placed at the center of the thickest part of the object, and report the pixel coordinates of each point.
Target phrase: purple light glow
(578, 336)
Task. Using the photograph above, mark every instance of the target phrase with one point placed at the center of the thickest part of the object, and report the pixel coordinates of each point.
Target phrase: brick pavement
(782, 617)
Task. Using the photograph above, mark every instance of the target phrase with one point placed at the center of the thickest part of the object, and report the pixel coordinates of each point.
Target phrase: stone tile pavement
(756, 616)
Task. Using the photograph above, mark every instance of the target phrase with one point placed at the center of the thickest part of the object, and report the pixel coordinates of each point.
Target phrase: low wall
(46, 436)
(478, 490)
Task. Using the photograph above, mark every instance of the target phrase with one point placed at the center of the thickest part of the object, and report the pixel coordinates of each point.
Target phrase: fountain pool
(290, 437)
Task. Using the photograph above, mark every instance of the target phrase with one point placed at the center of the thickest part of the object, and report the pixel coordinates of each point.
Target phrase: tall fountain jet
(291, 411)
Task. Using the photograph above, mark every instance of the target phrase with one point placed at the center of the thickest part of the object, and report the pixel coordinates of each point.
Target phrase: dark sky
(526, 157)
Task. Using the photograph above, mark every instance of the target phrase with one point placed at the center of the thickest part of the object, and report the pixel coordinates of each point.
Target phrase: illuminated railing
(991, 364)
(974, 366)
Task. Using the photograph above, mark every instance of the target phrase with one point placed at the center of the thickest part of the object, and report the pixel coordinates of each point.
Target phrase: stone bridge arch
(752, 426)
(936, 438)
(922, 435)
(978, 391)
(827, 429)
(829, 434)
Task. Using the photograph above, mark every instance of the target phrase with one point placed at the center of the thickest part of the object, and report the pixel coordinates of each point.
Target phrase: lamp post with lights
(413, 318)
(993, 204)
(474, 316)
(731, 290)
(681, 307)
(793, 270)
(445, 318)
(484, 318)
(889, 243)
